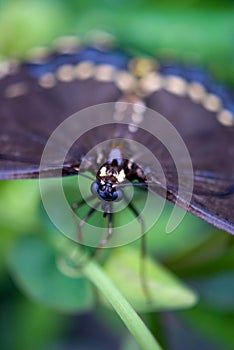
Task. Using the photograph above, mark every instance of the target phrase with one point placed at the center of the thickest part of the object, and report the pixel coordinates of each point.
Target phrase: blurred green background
(33, 313)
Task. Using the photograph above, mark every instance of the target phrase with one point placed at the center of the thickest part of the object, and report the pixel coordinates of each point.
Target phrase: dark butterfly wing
(36, 97)
(212, 199)
(210, 141)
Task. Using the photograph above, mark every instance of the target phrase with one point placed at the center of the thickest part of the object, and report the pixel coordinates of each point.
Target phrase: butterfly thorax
(114, 173)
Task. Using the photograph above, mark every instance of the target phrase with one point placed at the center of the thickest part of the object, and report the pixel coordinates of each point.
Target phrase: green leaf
(33, 265)
(18, 212)
(19, 312)
(166, 291)
(215, 255)
(20, 200)
(217, 291)
(29, 23)
(213, 324)
(190, 233)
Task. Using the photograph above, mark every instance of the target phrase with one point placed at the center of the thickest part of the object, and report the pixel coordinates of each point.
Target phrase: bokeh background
(197, 253)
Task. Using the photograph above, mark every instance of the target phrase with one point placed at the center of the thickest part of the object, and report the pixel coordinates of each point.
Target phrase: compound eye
(94, 188)
(119, 196)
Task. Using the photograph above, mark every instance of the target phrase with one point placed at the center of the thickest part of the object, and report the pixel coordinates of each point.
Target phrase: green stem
(128, 315)
(95, 274)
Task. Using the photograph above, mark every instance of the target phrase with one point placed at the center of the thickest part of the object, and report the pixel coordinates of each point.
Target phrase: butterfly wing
(37, 97)
(211, 147)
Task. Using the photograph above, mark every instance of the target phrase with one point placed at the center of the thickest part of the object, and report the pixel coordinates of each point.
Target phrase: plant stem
(95, 274)
(128, 315)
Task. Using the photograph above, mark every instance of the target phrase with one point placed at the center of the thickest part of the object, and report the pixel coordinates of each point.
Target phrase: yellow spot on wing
(16, 89)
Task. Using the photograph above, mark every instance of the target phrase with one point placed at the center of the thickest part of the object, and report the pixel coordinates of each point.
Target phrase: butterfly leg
(110, 229)
(79, 204)
(144, 284)
(84, 220)
(107, 213)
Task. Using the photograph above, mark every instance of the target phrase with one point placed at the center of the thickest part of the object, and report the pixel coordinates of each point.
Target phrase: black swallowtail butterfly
(37, 96)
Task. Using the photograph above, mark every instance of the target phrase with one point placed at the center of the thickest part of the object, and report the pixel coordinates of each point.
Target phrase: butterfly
(37, 95)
